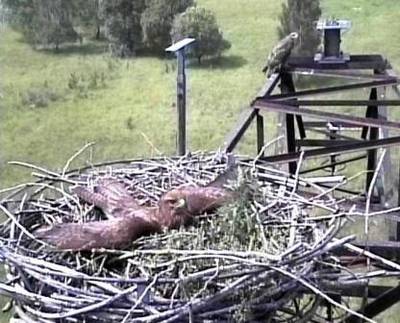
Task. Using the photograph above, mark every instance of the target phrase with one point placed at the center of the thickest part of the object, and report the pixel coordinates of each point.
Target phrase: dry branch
(251, 259)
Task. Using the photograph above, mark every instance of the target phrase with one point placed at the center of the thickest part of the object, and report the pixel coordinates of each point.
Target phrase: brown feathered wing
(127, 221)
(110, 196)
(110, 234)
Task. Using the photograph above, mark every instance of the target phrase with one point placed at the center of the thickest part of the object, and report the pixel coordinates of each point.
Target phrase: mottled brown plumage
(280, 53)
(127, 219)
(110, 196)
(110, 234)
(198, 200)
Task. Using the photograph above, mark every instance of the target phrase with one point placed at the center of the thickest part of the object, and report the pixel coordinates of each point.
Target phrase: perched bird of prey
(127, 220)
(280, 53)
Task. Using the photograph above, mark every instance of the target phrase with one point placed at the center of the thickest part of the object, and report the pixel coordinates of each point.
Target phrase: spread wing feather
(114, 233)
(110, 196)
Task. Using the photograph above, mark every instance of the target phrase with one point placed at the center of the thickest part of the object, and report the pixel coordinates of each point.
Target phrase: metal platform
(368, 134)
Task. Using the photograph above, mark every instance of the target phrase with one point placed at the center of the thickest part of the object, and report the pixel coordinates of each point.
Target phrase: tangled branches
(268, 256)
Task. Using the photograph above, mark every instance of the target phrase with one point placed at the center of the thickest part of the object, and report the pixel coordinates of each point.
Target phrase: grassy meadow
(53, 103)
(122, 102)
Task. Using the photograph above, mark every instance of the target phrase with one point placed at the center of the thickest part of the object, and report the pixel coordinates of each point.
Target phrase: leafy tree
(87, 16)
(200, 24)
(53, 22)
(122, 25)
(301, 16)
(157, 21)
(19, 12)
(44, 22)
(20, 16)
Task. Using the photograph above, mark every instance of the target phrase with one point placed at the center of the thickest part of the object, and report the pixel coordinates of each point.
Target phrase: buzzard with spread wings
(127, 220)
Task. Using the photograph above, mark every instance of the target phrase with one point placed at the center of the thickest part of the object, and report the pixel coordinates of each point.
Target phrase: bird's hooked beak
(180, 203)
(175, 202)
(294, 35)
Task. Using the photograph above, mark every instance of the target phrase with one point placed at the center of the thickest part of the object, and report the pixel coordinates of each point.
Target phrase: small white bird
(280, 53)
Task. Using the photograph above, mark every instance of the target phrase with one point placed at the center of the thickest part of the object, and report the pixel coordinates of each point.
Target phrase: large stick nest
(250, 260)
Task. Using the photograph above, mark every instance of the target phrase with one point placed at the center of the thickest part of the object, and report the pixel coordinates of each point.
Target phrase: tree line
(127, 25)
(133, 25)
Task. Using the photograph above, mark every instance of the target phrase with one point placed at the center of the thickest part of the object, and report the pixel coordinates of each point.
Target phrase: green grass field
(138, 96)
(134, 99)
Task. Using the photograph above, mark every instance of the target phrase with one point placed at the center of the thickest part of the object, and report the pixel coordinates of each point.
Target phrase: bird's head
(294, 35)
(173, 200)
(173, 209)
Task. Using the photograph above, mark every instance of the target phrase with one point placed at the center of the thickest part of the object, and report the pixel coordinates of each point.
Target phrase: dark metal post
(372, 112)
(287, 86)
(179, 49)
(333, 130)
(260, 132)
(380, 304)
(181, 102)
(397, 229)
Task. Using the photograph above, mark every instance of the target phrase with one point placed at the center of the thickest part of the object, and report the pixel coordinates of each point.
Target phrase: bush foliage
(128, 25)
(157, 19)
(200, 24)
(45, 22)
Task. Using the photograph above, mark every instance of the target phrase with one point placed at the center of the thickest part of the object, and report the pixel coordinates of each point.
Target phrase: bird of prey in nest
(280, 53)
(127, 220)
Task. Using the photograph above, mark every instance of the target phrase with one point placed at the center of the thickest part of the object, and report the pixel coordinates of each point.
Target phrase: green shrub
(200, 24)
(156, 21)
(91, 78)
(40, 97)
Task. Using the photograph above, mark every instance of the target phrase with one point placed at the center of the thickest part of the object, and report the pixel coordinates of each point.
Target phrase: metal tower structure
(322, 104)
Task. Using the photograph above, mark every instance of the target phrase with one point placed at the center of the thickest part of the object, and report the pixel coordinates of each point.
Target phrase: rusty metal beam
(343, 190)
(357, 62)
(323, 124)
(343, 74)
(386, 249)
(337, 88)
(287, 86)
(269, 86)
(333, 135)
(323, 142)
(277, 107)
(245, 119)
(247, 115)
(372, 112)
(354, 103)
(379, 305)
(320, 152)
(351, 290)
(260, 132)
(337, 163)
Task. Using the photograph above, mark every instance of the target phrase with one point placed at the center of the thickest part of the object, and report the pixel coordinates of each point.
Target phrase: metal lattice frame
(371, 72)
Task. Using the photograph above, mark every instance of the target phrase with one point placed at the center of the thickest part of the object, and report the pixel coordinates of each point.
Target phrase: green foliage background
(201, 24)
